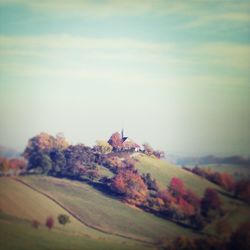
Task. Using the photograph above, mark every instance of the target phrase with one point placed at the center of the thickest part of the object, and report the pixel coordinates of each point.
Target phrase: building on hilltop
(129, 144)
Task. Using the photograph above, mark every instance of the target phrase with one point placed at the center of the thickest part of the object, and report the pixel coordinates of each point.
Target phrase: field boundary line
(77, 217)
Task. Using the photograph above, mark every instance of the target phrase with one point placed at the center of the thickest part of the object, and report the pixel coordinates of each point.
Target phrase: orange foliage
(131, 185)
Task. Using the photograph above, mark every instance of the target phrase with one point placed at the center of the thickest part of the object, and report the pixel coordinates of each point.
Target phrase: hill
(20, 205)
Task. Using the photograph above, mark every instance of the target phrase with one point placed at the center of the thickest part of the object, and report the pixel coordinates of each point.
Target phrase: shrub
(63, 219)
(49, 222)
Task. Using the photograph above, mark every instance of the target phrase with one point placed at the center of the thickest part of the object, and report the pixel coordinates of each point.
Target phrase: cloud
(205, 10)
(67, 41)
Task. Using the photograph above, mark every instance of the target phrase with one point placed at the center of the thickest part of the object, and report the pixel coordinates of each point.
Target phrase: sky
(175, 74)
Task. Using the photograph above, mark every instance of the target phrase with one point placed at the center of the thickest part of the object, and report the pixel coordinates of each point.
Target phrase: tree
(116, 141)
(148, 150)
(49, 222)
(58, 161)
(210, 201)
(103, 147)
(177, 187)
(40, 162)
(63, 219)
(150, 182)
(44, 142)
(131, 186)
(4, 165)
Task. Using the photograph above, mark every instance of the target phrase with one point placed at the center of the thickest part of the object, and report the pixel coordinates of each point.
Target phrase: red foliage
(131, 185)
(192, 198)
(166, 196)
(223, 179)
(49, 222)
(177, 187)
(116, 141)
(227, 181)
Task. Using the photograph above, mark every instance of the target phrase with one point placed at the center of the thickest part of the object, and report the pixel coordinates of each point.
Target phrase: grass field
(107, 213)
(163, 171)
(19, 201)
(18, 234)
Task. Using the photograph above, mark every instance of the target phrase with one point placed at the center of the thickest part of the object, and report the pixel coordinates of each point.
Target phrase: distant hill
(211, 159)
(9, 152)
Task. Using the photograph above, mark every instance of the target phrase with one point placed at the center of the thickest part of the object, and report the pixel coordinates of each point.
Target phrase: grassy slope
(164, 171)
(22, 202)
(18, 234)
(106, 212)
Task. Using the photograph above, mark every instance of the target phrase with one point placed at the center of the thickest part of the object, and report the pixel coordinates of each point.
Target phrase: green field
(163, 171)
(105, 212)
(21, 202)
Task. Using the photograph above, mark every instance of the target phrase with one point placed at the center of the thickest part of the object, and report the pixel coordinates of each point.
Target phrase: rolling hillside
(23, 204)
(98, 219)
(163, 171)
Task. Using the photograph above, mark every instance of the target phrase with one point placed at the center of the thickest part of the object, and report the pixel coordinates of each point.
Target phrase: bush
(49, 222)
(63, 219)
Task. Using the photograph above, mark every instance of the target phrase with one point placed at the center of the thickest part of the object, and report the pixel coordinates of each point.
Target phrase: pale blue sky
(172, 73)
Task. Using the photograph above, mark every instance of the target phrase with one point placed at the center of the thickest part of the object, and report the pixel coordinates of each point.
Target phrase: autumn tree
(49, 222)
(131, 186)
(4, 165)
(176, 187)
(44, 142)
(103, 147)
(148, 150)
(116, 141)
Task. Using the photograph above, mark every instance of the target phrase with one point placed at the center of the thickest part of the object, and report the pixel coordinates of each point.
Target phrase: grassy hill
(105, 212)
(24, 204)
(98, 220)
(163, 171)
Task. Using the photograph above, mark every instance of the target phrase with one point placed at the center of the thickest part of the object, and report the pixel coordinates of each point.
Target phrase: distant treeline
(211, 159)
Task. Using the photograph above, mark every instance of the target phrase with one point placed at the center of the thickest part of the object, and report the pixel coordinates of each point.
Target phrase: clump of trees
(14, 166)
(224, 180)
(131, 186)
(148, 150)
